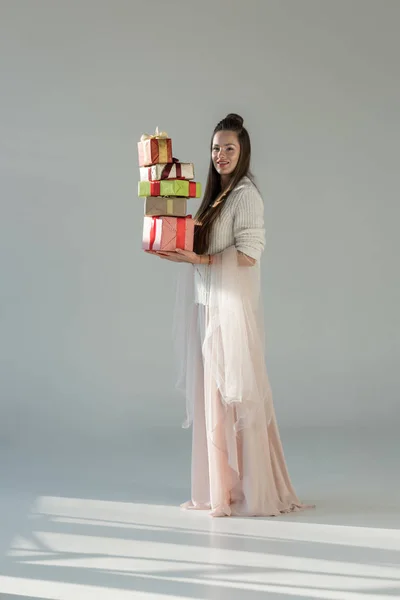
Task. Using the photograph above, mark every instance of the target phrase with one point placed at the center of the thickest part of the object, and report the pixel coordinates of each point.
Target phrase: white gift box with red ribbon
(175, 170)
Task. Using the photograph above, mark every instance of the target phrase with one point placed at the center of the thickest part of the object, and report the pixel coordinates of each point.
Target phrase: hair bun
(236, 118)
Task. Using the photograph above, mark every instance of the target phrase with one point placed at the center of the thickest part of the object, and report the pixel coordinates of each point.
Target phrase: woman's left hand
(178, 256)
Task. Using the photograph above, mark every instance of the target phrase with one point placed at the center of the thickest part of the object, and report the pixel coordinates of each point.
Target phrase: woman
(238, 466)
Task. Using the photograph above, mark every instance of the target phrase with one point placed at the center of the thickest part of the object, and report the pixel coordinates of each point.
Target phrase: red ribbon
(168, 168)
(181, 233)
(192, 189)
(153, 232)
(154, 188)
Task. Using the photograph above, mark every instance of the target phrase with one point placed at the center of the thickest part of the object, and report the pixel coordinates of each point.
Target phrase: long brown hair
(214, 196)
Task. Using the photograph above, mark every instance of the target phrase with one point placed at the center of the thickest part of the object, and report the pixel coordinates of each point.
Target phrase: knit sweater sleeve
(248, 223)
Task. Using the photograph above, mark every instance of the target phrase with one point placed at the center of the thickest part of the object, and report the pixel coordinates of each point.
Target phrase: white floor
(90, 524)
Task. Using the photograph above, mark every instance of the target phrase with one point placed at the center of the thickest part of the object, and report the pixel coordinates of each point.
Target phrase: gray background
(85, 315)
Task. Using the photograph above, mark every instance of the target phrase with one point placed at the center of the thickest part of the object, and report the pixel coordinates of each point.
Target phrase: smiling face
(225, 152)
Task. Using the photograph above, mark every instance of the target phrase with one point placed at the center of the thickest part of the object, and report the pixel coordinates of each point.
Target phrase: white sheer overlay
(233, 341)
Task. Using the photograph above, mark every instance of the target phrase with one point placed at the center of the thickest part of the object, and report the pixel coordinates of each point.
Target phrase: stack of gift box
(166, 184)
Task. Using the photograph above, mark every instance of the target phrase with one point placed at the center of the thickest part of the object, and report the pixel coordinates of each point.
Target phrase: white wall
(85, 315)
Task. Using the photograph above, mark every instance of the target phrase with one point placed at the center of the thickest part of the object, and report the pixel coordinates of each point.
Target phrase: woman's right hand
(178, 256)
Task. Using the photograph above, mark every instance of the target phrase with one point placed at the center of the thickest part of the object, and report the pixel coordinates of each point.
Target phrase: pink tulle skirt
(239, 472)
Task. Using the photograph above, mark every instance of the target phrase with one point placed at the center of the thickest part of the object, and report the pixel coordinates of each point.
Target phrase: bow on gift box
(168, 168)
(158, 135)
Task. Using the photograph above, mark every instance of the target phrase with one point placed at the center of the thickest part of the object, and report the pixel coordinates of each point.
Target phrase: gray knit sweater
(240, 224)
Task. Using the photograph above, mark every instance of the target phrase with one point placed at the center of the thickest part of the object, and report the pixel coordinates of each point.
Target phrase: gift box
(170, 187)
(174, 170)
(168, 233)
(174, 207)
(154, 149)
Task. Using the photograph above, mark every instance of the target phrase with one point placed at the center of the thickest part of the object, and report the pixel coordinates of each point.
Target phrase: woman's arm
(248, 231)
(201, 259)
(243, 259)
(248, 226)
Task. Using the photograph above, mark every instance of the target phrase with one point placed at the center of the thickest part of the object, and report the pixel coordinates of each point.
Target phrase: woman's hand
(178, 256)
